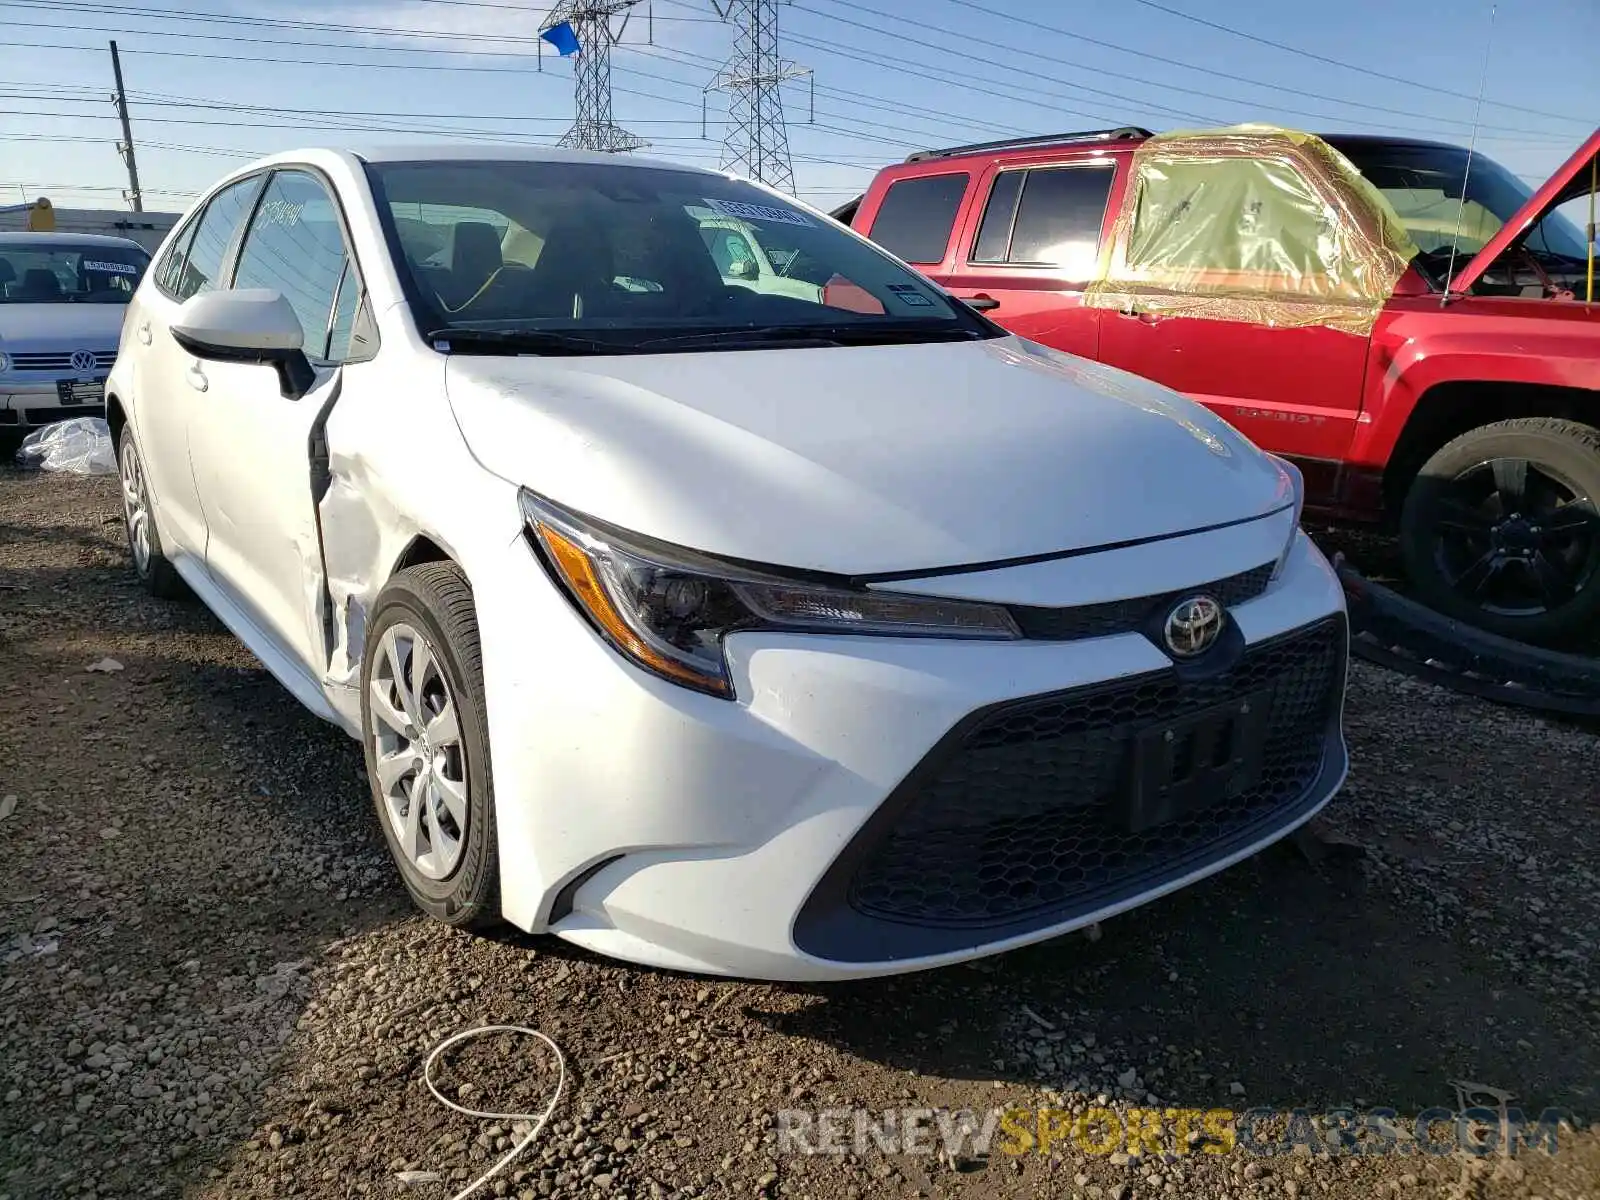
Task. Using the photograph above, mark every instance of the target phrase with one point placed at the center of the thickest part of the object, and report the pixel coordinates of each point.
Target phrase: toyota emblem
(84, 360)
(1193, 626)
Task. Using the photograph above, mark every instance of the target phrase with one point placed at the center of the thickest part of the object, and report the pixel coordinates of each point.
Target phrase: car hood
(1571, 179)
(863, 460)
(66, 326)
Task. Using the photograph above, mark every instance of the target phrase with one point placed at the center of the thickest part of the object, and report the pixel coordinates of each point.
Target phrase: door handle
(142, 332)
(197, 378)
(982, 302)
(1146, 318)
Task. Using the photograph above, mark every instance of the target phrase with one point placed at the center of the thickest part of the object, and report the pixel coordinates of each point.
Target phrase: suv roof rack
(1036, 141)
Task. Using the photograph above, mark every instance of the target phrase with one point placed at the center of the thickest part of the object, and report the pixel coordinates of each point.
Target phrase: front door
(1248, 288)
(251, 444)
(1293, 391)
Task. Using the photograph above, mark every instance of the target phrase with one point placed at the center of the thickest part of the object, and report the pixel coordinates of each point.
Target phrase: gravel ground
(211, 984)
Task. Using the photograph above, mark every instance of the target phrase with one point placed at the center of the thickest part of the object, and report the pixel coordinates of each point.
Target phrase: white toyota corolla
(789, 634)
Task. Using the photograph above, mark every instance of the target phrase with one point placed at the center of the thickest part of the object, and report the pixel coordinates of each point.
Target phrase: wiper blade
(529, 341)
(867, 333)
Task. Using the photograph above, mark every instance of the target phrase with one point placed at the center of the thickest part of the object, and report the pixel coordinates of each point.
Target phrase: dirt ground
(211, 984)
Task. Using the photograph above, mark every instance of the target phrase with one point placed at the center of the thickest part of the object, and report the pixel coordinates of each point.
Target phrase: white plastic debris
(80, 446)
(105, 666)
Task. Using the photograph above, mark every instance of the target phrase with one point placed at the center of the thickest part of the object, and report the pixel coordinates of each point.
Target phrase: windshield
(69, 273)
(635, 258)
(1423, 184)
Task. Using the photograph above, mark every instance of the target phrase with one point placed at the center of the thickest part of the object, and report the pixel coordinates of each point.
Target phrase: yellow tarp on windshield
(1252, 223)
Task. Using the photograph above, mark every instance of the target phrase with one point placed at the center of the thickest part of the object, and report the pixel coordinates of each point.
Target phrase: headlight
(1298, 483)
(668, 609)
(5, 362)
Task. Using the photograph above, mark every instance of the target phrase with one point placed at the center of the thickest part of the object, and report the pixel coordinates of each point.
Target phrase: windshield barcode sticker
(760, 212)
(908, 294)
(114, 268)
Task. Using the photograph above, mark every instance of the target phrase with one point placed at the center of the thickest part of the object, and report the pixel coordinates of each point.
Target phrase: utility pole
(757, 141)
(125, 147)
(592, 126)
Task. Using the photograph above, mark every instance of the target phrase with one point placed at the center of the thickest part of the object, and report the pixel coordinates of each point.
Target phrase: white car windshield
(618, 258)
(71, 273)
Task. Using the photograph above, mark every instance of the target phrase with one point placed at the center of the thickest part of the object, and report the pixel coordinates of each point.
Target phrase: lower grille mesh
(1023, 816)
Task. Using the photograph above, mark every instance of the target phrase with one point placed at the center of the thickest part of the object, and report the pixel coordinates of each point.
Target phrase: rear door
(1028, 257)
(916, 219)
(164, 373)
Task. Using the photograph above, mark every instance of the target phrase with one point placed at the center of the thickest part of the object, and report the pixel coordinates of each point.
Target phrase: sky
(213, 83)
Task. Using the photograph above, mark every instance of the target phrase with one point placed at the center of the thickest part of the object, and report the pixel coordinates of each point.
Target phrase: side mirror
(249, 325)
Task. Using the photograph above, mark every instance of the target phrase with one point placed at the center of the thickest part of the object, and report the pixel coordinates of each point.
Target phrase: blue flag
(562, 38)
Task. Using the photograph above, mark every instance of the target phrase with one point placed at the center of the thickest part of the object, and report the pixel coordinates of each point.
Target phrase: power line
(1188, 66)
(924, 25)
(1338, 62)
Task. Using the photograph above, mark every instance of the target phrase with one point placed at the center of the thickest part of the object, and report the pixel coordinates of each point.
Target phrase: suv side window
(203, 262)
(1046, 216)
(296, 248)
(916, 216)
(1260, 223)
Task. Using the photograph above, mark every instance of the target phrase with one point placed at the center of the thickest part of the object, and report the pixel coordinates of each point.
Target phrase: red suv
(1438, 360)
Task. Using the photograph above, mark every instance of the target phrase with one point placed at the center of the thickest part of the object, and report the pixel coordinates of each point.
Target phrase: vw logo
(1192, 626)
(84, 360)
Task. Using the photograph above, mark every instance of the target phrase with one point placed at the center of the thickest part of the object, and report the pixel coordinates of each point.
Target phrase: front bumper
(655, 825)
(38, 402)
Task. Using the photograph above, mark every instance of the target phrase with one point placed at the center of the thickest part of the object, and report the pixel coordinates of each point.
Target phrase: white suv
(781, 636)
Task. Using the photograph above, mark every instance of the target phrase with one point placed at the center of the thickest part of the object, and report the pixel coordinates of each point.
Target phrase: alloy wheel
(1516, 538)
(420, 764)
(135, 507)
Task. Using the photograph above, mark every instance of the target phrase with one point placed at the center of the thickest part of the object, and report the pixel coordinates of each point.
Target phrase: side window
(202, 265)
(345, 304)
(170, 273)
(295, 247)
(916, 216)
(1046, 217)
(1240, 217)
(999, 215)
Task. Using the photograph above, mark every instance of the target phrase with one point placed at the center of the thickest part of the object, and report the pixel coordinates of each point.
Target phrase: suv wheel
(1501, 529)
(150, 563)
(427, 744)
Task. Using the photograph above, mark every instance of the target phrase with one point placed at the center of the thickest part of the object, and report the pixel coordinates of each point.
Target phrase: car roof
(1103, 141)
(478, 152)
(35, 238)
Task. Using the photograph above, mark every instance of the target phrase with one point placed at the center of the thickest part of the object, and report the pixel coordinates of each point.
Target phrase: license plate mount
(81, 391)
(1195, 761)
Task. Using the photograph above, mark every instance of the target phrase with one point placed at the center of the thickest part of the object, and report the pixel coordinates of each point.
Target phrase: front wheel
(427, 744)
(1501, 529)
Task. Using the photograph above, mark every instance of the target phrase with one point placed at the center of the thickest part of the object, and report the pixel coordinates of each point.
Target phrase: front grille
(1021, 815)
(60, 360)
(1128, 616)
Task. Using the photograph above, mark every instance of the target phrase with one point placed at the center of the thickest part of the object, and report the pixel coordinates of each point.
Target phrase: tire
(150, 563)
(453, 874)
(1537, 578)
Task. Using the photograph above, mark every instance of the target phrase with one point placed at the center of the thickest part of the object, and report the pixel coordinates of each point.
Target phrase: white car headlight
(668, 609)
(5, 362)
(1298, 484)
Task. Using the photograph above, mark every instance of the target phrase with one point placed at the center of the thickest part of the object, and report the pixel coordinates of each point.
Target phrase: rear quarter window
(916, 216)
